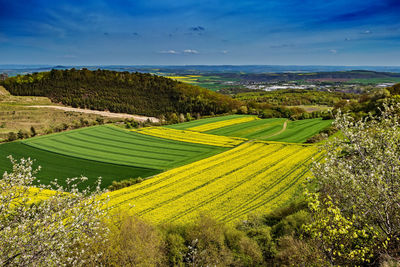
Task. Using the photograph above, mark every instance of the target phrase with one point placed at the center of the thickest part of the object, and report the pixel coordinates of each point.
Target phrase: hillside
(134, 93)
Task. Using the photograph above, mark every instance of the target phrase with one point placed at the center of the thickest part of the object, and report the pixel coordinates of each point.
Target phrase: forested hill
(135, 93)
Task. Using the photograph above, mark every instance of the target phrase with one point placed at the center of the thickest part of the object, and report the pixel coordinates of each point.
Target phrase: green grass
(189, 124)
(268, 129)
(57, 166)
(118, 146)
(106, 151)
(300, 131)
(256, 129)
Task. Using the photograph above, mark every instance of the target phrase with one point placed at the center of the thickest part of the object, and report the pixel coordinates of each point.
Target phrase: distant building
(3, 76)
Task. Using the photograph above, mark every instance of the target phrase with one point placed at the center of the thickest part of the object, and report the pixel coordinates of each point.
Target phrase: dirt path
(281, 131)
(101, 113)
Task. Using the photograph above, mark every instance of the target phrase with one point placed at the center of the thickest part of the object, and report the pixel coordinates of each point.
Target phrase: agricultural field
(253, 177)
(106, 151)
(59, 166)
(256, 129)
(220, 124)
(196, 123)
(277, 129)
(211, 82)
(299, 131)
(114, 145)
(191, 137)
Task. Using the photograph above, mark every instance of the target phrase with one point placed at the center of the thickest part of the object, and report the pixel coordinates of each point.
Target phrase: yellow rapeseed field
(220, 124)
(192, 137)
(253, 177)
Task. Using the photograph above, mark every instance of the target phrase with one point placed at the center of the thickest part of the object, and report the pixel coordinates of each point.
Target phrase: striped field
(195, 123)
(107, 151)
(254, 177)
(220, 124)
(277, 129)
(191, 137)
(114, 145)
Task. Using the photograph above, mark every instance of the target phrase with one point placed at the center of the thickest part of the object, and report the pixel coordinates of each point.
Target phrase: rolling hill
(123, 92)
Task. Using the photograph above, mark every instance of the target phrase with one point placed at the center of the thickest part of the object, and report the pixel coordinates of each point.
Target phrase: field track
(281, 131)
(101, 113)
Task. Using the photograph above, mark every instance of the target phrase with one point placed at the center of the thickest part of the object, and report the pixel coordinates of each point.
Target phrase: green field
(300, 131)
(190, 124)
(257, 129)
(375, 80)
(58, 166)
(266, 129)
(275, 130)
(97, 148)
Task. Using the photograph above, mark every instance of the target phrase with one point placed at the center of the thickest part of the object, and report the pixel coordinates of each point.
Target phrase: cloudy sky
(143, 32)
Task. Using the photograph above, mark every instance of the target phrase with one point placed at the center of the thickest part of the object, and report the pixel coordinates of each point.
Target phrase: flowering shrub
(359, 183)
(41, 227)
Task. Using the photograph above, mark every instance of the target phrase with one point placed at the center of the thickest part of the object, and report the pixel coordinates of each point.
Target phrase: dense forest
(124, 92)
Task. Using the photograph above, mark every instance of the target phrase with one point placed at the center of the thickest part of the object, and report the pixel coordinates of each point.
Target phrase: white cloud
(333, 51)
(172, 52)
(224, 52)
(190, 51)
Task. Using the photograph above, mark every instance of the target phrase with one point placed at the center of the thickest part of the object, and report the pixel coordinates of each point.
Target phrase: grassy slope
(195, 123)
(296, 131)
(61, 167)
(114, 145)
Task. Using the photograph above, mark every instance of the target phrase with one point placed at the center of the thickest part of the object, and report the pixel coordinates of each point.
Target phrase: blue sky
(145, 32)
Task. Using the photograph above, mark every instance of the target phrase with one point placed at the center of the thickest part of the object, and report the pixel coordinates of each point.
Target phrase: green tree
(33, 131)
(22, 134)
(12, 136)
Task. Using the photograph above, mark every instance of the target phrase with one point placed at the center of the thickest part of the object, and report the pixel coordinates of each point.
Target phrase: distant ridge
(195, 69)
